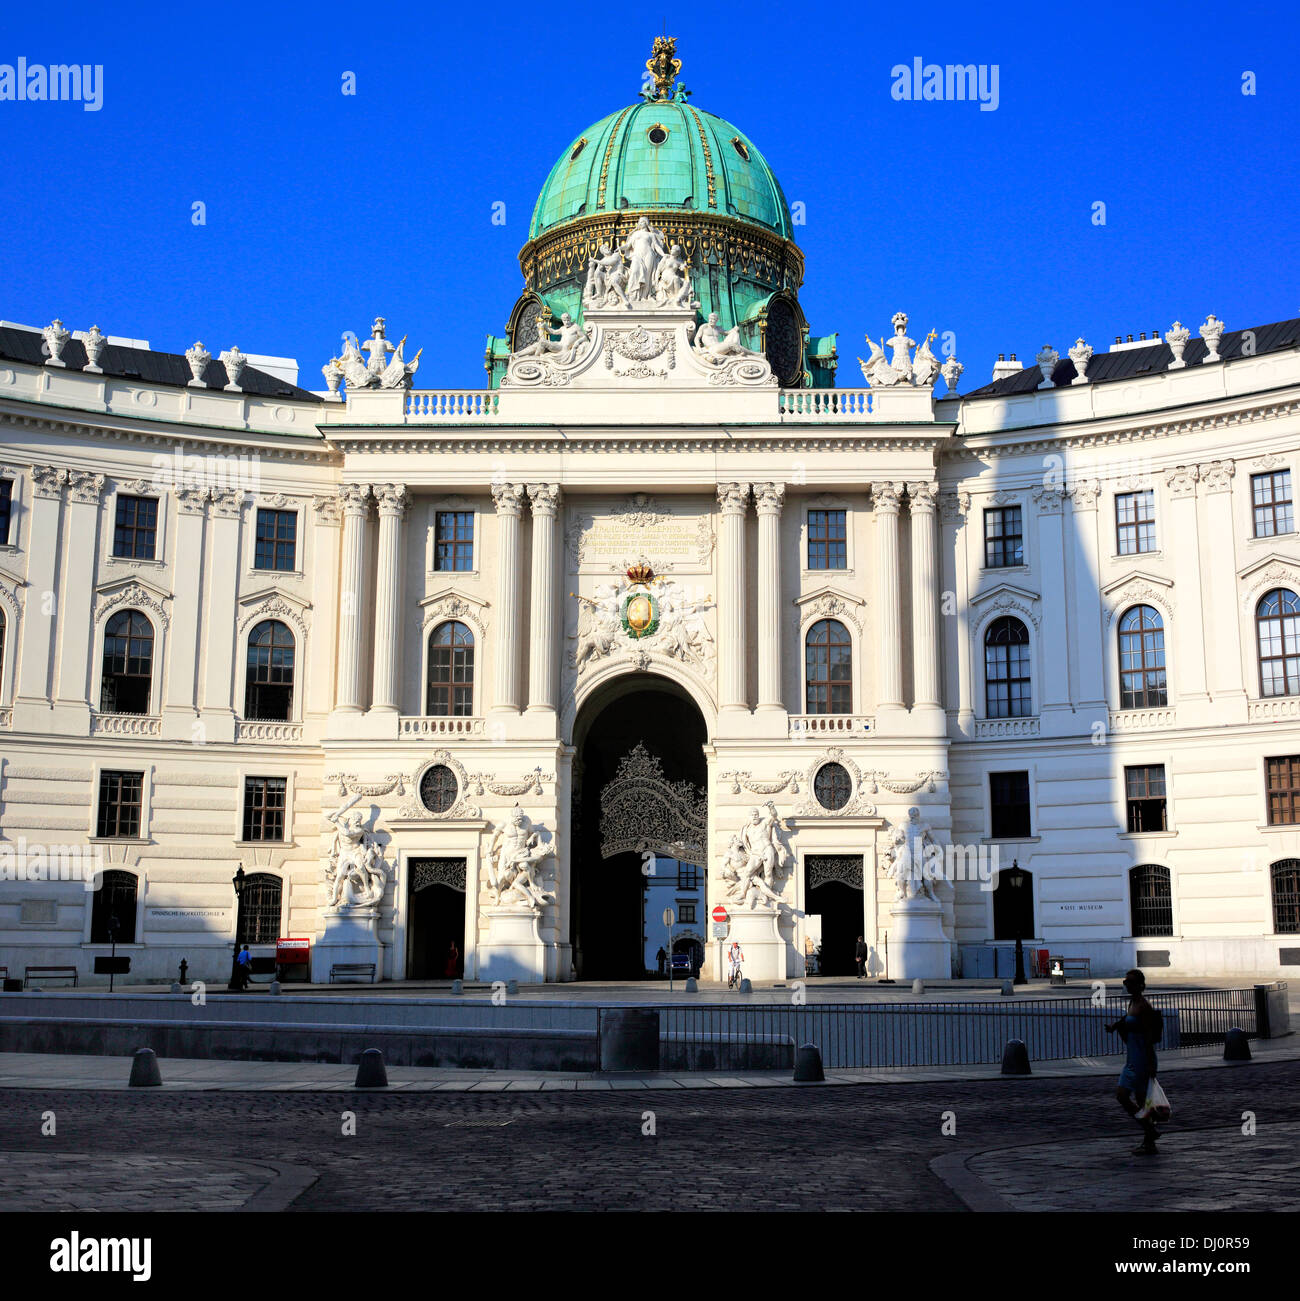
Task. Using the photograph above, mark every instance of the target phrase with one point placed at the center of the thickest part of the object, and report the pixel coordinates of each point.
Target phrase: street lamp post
(1016, 880)
(238, 882)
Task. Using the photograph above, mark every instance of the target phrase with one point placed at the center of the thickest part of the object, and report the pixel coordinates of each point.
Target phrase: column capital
(227, 502)
(48, 481)
(392, 499)
(544, 498)
(1049, 498)
(84, 486)
(769, 498)
(733, 498)
(885, 497)
(1084, 493)
(1217, 475)
(191, 501)
(327, 510)
(954, 507)
(1181, 480)
(354, 497)
(922, 496)
(508, 498)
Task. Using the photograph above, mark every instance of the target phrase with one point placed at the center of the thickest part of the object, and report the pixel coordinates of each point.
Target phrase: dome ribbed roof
(664, 154)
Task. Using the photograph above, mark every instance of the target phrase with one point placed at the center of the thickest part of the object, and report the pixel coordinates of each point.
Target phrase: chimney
(1002, 367)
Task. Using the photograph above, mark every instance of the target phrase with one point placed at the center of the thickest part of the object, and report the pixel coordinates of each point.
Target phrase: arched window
(268, 679)
(1277, 622)
(128, 664)
(1151, 901)
(114, 904)
(829, 669)
(1007, 691)
(1142, 660)
(450, 688)
(259, 910)
(1286, 896)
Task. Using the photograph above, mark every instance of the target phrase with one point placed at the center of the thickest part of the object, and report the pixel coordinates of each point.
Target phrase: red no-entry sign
(720, 914)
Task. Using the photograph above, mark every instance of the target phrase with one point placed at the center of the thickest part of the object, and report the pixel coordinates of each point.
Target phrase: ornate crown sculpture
(641, 573)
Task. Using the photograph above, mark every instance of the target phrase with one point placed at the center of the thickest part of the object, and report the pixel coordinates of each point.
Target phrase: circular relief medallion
(640, 613)
(6, 377)
(438, 789)
(144, 398)
(284, 415)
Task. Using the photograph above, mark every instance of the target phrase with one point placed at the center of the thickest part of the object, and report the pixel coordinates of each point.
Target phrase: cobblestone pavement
(711, 1149)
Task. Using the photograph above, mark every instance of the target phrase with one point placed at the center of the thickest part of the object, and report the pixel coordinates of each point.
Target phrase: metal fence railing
(741, 1036)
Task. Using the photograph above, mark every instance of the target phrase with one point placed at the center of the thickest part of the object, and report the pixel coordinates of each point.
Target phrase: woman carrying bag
(1139, 1093)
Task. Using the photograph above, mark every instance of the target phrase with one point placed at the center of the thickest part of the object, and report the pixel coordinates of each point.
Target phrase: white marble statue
(606, 280)
(925, 365)
(673, 279)
(715, 348)
(599, 625)
(911, 858)
(643, 249)
(901, 346)
(355, 871)
(756, 861)
(513, 859)
(379, 370)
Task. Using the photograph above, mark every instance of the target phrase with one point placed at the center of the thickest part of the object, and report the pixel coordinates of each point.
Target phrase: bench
(1083, 965)
(44, 973)
(366, 969)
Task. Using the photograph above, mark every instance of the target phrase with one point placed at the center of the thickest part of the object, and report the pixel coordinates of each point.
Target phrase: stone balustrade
(991, 729)
(125, 725)
(1140, 720)
(831, 724)
(430, 725)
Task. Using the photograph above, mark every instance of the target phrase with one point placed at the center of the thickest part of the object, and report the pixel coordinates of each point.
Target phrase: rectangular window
(686, 913)
(277, 535)
(1270, 498)
(1009, 805)
(1144, 789)
(264, 808)
(135, 533)
(1135, 522)
(1283, 790)
(453, 540)
(828, 546)
(1004, 542)
(120, 797)
(688, 876)
(6, 509)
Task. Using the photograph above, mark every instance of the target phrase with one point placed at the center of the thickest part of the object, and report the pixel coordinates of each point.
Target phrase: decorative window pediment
(831, 602)
(133, 593)
(1138, 588)
(448, 603)
(1272, 570)
(1006, 598)
(270, 603)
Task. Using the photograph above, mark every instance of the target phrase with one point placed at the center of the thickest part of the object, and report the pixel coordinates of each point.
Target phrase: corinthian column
(508, 498)
(392, 500)
(925, 596)
(732, 497)
(884, 500)
(543, 635)
(769, 498)
(356, 508)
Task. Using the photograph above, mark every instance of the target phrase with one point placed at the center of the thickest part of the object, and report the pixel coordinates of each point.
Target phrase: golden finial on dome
(663, 66)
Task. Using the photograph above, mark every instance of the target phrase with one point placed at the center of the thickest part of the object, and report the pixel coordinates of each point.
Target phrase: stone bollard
(1008, 988)
(745, 986)
(918, 986)
(629, 1039)
(144, 1070)
(692, 985)
(275, 987)
(457, 986)
(371, 1073)
(512, 987)
(176, 987)
(1236, 1047)
(1015, 1060)
(808, 1065)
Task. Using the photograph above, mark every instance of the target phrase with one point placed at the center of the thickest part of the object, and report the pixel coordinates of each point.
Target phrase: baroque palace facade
(450, 675)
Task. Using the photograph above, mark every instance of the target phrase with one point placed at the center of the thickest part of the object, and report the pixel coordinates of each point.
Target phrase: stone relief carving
(1218, 475)
(349, 785)
(86, 487)
(903, 786)
(1181, 480)
(414, 807)
(1084, 493)
(327, 510)
(830, 605)
(275, 607)
(532, 784)
(880, 372)
(857, 806)
(657, 612)
(552, 356)
(48, 480)
(739, 781)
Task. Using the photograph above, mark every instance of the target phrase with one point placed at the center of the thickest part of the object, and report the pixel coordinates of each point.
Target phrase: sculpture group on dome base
(379, 370)
(902, 368)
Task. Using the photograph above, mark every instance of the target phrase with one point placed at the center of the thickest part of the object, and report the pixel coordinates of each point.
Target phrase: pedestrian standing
(245, 967)
(661, 957)
(860, 954)
(1140, 1028)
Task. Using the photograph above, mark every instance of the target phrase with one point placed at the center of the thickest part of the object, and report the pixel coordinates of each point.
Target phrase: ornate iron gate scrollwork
(438, 871)
(846, 869)
(640, 810)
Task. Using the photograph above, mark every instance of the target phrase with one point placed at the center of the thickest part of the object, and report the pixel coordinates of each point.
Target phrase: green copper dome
(662, 155)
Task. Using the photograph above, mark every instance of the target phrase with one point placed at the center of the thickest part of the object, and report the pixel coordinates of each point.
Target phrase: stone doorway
(833, 891)
(436, 919)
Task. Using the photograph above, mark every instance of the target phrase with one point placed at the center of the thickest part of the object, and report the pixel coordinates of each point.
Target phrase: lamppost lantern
(238, 881)
(1016, 879)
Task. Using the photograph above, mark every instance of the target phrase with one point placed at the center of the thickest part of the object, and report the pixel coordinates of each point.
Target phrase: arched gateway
(639, 828)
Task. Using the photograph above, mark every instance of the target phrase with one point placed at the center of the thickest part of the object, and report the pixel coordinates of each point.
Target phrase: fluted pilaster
(392, 500)
(508, 498)
(733, 499)
(769, 499)
(543, 632)
(355, 498)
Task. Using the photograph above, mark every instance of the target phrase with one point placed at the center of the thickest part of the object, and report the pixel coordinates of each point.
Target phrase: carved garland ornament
(900, 786)
(738, 781)
(639, 346)
(349, 785)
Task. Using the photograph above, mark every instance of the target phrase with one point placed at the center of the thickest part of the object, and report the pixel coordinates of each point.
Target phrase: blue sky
(324, 210)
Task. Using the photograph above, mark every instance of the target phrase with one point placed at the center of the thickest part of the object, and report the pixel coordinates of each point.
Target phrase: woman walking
(1140, 1028)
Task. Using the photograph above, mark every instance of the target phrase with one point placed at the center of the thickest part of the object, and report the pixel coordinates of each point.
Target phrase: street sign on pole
(669, 918)
(721, 915)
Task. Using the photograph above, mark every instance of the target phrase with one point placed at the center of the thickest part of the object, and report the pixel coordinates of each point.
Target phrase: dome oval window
(657, 134)
(578, 148)
(739, 146)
